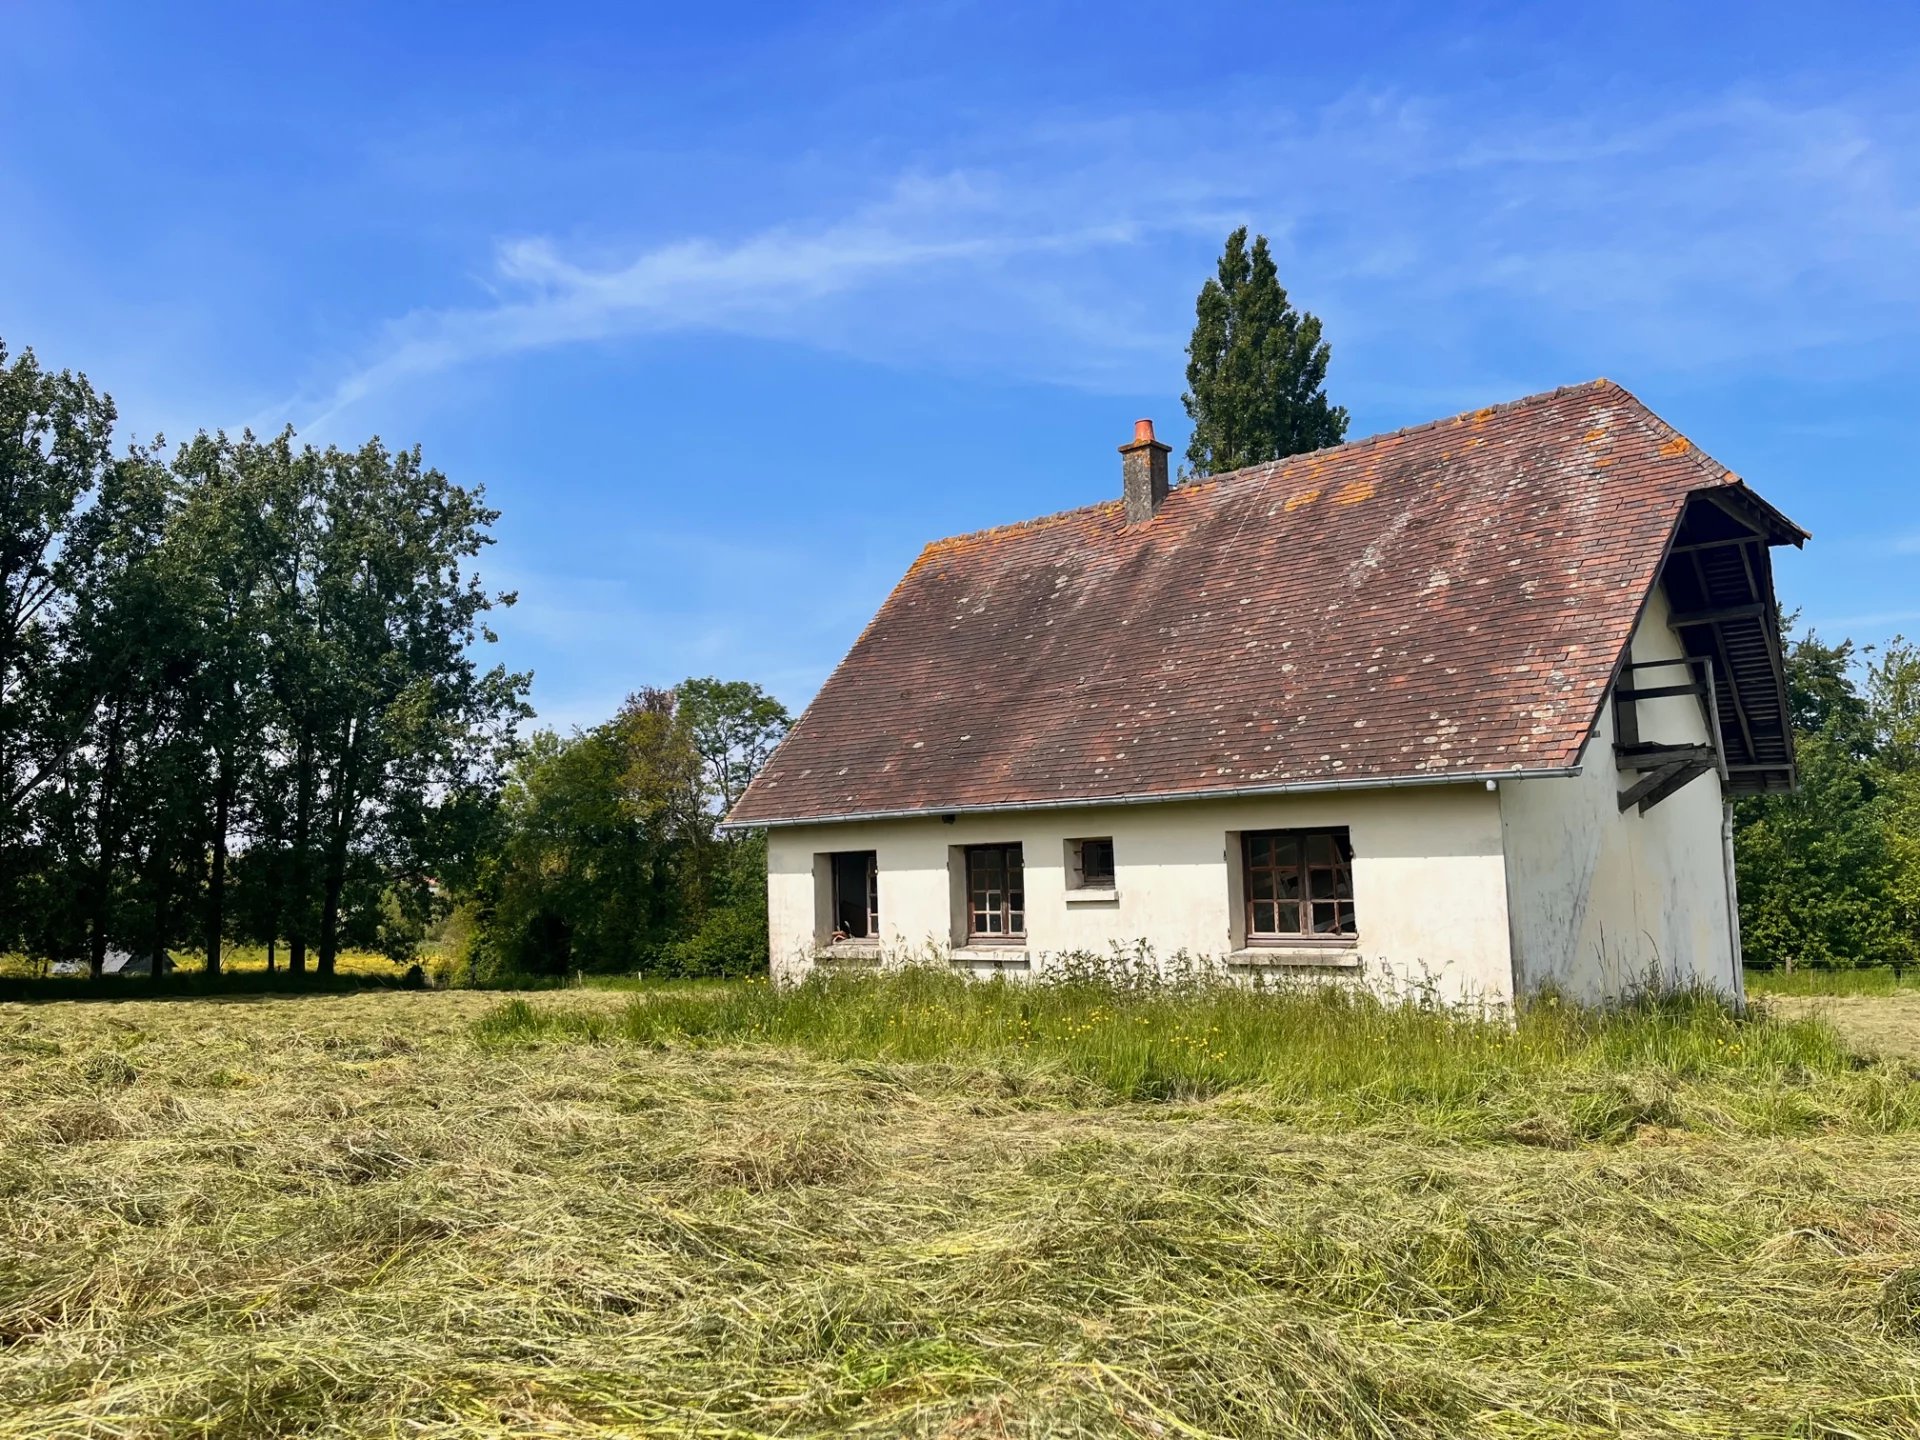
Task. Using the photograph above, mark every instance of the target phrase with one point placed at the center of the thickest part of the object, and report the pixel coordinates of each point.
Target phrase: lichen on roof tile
(1445, 571)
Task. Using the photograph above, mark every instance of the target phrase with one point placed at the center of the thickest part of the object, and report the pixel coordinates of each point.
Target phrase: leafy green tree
(605, 854)
(1827, 875)
(1256, 368)
(226, 561)
(407, 715)
(735, 726)
(594, 843)
(123, 802)
(1817, 873)
(1822, 696)
(56, 444)
(1893, 710)
(240, 691)
(1892, 705)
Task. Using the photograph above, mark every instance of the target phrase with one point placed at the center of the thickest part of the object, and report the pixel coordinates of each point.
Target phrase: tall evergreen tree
(1256, 368)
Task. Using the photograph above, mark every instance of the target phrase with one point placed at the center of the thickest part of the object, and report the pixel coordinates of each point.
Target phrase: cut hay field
(913, 1209)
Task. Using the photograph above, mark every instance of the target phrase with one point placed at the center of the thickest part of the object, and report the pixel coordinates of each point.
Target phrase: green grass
(1875, 980)
(1319, 1057)
(919, 1208)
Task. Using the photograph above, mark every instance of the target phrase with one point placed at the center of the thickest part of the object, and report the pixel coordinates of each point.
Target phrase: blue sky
(731, 308)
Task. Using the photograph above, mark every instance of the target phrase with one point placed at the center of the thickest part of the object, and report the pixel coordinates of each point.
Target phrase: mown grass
(440, 1214)
(1312, 1056)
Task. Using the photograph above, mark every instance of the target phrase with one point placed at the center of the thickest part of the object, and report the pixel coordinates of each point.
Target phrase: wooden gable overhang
(1718, 579)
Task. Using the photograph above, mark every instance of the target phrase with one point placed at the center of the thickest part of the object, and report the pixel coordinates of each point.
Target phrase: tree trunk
(106, 829)
(302, 829)
(330, 907)
(338, 840)
(270, 944)
(344, 777)
(161, 907)
(217, 876)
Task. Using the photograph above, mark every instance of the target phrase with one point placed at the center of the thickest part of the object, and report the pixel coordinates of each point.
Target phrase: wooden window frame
(872, 886)
(1082, 879)
(1006, 910)
(1306, 898)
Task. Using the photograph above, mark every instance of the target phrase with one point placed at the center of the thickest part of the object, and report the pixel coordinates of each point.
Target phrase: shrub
(730, 943)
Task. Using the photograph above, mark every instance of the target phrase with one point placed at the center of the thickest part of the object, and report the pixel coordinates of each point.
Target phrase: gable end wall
(1604, 901)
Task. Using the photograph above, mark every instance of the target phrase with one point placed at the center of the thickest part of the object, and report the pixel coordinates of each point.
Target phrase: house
(1460, 707)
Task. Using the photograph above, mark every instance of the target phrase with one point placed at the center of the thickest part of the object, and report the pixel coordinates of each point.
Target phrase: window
(996, 894)
(1090, 864)
(1299, 885)
(856, 896)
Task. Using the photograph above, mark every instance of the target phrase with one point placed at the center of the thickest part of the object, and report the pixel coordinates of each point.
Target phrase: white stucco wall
(1428, 873)
(1603, 900)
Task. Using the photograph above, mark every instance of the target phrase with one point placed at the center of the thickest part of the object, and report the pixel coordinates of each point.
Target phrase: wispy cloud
(1740, 231)
(779, 283)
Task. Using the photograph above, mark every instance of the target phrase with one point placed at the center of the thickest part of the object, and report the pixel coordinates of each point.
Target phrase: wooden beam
(1690, 546)
(1655, 757)
(1626, 719)
(1717, 644)
(1648, 783)
(1726, 506)
(1754, 610)
(1649, 790)
(1660, 692)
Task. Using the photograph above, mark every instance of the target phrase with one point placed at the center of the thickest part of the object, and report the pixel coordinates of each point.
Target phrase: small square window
(1090, 864)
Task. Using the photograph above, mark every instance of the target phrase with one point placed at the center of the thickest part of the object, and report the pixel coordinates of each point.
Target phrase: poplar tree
(1256, 368)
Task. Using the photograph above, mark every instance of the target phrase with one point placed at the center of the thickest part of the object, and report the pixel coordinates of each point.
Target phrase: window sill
(1093, 895)
(854, 950)
(1013, 955)
(1308, 956)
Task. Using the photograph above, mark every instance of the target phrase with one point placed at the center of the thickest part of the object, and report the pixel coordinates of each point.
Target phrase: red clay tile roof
(1449, 600)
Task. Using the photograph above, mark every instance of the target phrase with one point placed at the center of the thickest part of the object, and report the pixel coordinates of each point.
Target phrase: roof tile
(1450, 599)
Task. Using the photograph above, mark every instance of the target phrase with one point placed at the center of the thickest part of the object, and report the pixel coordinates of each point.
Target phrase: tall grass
(1870, 980)
(1555, 1074)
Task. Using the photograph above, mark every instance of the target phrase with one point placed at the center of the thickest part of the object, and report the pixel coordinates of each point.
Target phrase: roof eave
(1234, 792)
(1778, 529)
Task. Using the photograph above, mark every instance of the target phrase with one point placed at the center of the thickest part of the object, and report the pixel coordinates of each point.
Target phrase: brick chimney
(1143, 473)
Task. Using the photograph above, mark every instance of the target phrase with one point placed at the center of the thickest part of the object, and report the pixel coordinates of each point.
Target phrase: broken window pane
(1283, 869)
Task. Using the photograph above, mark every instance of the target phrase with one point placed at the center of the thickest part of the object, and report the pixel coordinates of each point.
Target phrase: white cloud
(1739, 232)
(772, 284)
